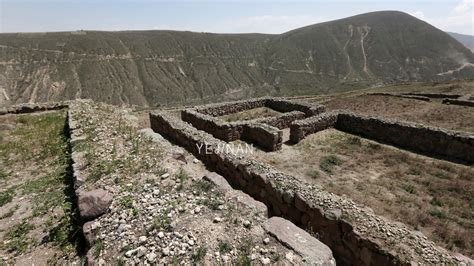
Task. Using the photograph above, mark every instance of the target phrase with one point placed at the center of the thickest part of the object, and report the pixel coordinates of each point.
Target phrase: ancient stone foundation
(301, 128)
(263, 132)
(31, 108)
(354, 234)
(429, 140)
(453, 145)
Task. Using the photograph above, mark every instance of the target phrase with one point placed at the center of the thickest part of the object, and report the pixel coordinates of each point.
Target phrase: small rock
(166, 251)
(151, 257)
(130, 253)
(161, 234)
(195, 160)
(247, 224)
(165, 175)
(142, 239)
(141, 251)
(265, 261)
(217, 220)
(191, 242)
(225, 258)
(266, 241)
(197, 210)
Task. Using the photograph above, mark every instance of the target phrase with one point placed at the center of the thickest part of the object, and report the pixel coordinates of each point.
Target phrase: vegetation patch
(38, 149)
(327, 163)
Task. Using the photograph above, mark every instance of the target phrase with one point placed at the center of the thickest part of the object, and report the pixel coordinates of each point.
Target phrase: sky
(224, 16)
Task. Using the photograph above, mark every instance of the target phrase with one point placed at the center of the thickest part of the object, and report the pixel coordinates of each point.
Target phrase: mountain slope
(466, 40)
(156, 67)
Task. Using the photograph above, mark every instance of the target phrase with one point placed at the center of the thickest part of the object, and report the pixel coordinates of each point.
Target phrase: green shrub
(328, 162)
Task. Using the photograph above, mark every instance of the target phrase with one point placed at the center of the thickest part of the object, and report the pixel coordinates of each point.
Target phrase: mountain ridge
(150, 68)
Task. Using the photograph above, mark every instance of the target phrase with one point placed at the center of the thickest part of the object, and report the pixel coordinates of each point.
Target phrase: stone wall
(459, 102)
(265, 136)
(218, 128)
(282, 121)
(416, 137)
(31, 108)
(354, 234)
(283, 105)
(219, 109)
(263, 131)
(301, 128)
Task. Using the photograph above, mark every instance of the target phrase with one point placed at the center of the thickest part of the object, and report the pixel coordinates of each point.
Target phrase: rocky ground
(162, 209)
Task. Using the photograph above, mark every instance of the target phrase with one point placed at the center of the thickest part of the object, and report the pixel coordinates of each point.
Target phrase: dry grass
(250, 114)
(430, 195)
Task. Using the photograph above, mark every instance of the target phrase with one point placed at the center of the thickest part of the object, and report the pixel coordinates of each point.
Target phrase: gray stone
(93, 203)
(88, 232)
(247, 201)
(219, 181)
(311, 249)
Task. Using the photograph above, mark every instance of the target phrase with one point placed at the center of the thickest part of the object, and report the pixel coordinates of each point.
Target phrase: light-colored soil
(433, 196)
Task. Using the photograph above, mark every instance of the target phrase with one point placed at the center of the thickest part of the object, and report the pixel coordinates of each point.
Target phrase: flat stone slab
(219, 181)
(311, 249)
(244, 200)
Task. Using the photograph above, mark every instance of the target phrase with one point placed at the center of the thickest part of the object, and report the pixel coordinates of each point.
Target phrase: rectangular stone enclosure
(448, 144)
(264, 132)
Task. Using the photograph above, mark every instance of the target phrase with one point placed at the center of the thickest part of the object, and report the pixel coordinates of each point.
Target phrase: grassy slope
(35, 194)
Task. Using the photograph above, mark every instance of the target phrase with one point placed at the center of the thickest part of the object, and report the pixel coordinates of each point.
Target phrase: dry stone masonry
(354, 234)
(31, 108)
(264, 132)
(453, 145)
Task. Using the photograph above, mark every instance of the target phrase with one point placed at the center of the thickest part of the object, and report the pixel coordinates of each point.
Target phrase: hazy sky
(215, 16)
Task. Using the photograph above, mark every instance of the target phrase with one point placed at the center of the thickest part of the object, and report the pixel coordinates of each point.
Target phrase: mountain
(466, 40)
(149, 68)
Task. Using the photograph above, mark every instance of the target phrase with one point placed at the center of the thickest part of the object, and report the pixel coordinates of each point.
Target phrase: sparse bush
(224, 247)
(313, 173)
(328, 162)
(199, 254)
(409, 188)
(6, 196)
(438, 213)
(18, 240)
(203, 185)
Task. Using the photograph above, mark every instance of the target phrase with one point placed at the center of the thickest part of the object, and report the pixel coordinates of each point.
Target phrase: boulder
(311, 249)
(219, 181)
(93, 203)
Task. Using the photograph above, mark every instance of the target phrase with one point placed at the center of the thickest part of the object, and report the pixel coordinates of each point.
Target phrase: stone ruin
(264, 132)
(354, 234)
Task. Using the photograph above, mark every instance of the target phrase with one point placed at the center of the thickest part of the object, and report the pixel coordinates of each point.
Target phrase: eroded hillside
(150, 68)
